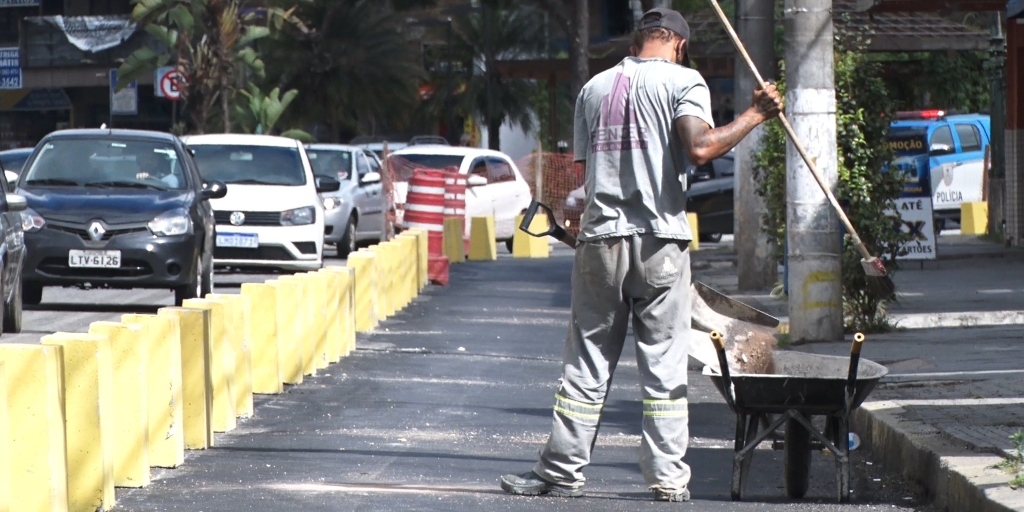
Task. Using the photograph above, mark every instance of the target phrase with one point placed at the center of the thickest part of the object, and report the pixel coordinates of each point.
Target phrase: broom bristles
(877, 278)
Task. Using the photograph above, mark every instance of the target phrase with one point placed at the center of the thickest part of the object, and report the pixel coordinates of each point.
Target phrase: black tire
(797, 460)
(12, 310)
(347, 244)
(711, 238)
(194, 288)
(31, 293)
(508, 245)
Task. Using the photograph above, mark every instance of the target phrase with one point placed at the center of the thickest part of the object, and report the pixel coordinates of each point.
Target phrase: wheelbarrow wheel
(797, 460)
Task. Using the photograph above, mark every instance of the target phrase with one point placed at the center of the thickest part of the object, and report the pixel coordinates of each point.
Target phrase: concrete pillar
(196, 375)
(813, 237)
(302, 313)
(222, 369)
(289, 329)
(756, 265)
(267, 377)
(237, 307)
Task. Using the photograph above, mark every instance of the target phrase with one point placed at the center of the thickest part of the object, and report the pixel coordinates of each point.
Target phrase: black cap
(660, 17)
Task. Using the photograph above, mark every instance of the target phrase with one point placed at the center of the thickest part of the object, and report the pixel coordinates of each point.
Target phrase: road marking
(904, 377)
(1000, 290)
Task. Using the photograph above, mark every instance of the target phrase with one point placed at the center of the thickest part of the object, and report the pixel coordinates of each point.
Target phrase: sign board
(916, 219)
(10, 68)
(168, 83)
(126, 101)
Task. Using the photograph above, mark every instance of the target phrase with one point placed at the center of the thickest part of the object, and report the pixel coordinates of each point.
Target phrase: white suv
(272, 215)
(495, 185)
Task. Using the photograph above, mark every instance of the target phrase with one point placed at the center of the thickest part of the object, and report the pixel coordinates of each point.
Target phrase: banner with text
(916, 218)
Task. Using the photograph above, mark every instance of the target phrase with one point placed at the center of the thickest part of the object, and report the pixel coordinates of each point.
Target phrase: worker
(638, 127)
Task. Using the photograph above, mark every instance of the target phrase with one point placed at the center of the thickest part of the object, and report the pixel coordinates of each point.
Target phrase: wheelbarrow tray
(808, 383)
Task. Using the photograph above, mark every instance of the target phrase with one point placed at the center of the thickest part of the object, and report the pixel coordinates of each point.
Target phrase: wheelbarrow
(802, 387)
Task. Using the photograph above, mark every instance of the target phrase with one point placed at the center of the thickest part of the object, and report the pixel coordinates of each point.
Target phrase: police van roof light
(921, 114)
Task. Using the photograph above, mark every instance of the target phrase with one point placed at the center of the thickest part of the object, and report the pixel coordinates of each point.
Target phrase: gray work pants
(649, 279)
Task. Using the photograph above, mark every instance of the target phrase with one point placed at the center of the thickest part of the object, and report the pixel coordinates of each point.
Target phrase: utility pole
(755, 25)
(995, 65)
(812, 228)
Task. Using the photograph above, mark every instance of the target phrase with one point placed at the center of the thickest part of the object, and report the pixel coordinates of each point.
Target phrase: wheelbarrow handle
(851, 377)
(554, 230)
(723, 363)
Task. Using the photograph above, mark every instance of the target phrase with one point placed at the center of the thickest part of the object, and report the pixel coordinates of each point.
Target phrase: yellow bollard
(410, 260)
(482, 245)
(166, 444)
(303, 312)
(267, 377)
(364, 265)
(6, 457)
(347, 308)
(224, 417)
(695, 230)
(423, 244)
(131, 401)
(89, 401)
(319, 328)
(237, 311)
(289, 340)
(333, 314)
(382, 293)
(454, 246)
(196, 375)
(526, 246)
(974, 218)
(35, 401)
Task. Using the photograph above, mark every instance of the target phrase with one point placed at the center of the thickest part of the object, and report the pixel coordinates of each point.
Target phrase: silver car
(355, 213)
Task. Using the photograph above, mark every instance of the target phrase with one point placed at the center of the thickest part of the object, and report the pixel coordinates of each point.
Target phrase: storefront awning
(34, 100)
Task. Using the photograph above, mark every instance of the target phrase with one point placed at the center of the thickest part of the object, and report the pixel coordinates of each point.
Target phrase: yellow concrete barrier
(382, 254)
(334, 315)
(348, 310)
(166, 442)
(224, 417)
(237, 311)
(482, 245)
(89, 402)
(35, 401)
(303, 312)
(289, 333)
(318, 295)
(410, 258)
(423, 241)
(454, 245)
(974, 218)
(695, 230)
(364, 264)
(267, 377)
(131, 395)
(526, 246)
(196, 375)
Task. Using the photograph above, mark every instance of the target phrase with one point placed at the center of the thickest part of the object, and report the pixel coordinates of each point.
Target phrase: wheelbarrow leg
(737, 462)
(842, 441)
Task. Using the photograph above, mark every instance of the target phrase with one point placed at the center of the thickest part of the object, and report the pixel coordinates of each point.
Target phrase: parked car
(14, 159)
(495, 187)
(355, 212)
(272, 215)
(12, 257)
(116, 209)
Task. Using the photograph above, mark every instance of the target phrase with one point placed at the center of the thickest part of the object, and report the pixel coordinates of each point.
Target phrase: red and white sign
(169, 85)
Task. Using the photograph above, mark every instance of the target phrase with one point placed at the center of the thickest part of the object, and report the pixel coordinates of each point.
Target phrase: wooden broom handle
(792, 134)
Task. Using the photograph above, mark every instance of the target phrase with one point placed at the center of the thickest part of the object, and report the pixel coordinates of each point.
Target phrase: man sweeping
(638, 127)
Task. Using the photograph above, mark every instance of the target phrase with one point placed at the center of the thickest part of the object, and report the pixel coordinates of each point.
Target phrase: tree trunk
(494, 133)
(579, 50)
(225, 102)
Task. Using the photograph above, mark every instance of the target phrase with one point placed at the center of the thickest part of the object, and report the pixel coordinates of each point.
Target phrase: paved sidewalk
(955, 392)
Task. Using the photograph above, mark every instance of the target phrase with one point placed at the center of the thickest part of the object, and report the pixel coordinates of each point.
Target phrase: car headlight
(332, 203)
(298, 217)
(174, 222)
(31, 220)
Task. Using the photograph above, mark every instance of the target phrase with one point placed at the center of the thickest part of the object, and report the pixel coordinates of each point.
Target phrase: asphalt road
(440, 401)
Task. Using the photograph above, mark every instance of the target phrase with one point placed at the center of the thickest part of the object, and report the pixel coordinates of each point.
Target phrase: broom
(875, 274)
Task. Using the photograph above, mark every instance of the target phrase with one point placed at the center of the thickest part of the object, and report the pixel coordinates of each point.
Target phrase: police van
(943, 157)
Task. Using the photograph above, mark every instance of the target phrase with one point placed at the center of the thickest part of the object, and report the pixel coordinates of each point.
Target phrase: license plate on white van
(239, 240)
(94, 259)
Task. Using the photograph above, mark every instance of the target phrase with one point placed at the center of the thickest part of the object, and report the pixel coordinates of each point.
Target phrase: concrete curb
(957, 319)
(956, 479)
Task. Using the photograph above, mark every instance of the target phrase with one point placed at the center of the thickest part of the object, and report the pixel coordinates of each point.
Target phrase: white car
(272, 215)
(495, 185)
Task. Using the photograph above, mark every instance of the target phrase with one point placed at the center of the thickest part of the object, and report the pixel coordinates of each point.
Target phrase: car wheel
(194, 289)
(712, 238)
(31, 293)
(508, 245)
(347, 244)
(12, 310)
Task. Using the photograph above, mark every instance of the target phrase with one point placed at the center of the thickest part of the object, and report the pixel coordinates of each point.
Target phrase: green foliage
(1015, 460)
(954, 81)
(260, 112)
(862, 117)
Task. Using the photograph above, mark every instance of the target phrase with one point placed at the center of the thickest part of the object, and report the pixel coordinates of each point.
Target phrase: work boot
(666, 495)
(531, 484)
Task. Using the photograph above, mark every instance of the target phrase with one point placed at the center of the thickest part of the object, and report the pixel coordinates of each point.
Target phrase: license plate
(243, 240)
(94, 259)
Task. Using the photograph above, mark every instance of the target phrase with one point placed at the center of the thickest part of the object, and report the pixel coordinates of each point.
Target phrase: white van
(272, 215)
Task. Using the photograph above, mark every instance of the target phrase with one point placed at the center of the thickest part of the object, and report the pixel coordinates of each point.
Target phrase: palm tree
(355, 69)
(499, 30)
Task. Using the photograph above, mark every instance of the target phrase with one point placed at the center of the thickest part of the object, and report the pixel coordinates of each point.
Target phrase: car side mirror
(940, 149)
(327, 184)
(213, 190)
(12, 178)
(370, 177)
(475, 180)
(16, 203)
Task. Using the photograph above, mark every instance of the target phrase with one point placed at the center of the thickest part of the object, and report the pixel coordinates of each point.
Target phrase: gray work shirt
(636, 167)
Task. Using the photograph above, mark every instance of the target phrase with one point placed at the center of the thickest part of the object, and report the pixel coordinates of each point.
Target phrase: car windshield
(255, 165)
(907, 142)
(106, 162)
(14, 161)
(331, 162)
